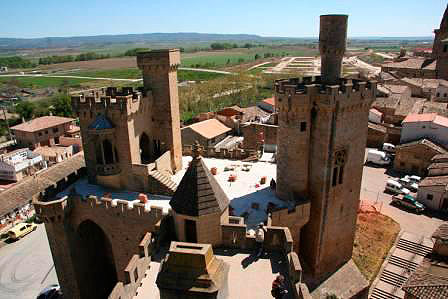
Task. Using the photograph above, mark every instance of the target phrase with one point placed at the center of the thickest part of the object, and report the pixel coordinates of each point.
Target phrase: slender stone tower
(440, 47)
(321, 142)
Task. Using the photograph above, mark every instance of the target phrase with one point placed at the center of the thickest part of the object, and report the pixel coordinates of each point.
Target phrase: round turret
(332, 40)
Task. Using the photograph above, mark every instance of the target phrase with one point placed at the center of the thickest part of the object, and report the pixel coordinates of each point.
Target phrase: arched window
(99, 155)
(145, 151)
(108, 152)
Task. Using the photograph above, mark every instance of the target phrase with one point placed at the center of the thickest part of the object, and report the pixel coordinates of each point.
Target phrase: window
(444, 95)
(429, 196)
(438, 94)
(46, 131)
(40, 133)
(55, 130)
(335, 176)
(303, 126)
(445, 48)
(402, 164)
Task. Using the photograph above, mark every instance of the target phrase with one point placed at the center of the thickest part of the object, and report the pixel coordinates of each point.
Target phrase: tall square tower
(321, 143)
(129, 133)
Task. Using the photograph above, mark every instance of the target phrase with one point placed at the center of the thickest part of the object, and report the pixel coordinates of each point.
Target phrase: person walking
(259, 239)
(279, 290)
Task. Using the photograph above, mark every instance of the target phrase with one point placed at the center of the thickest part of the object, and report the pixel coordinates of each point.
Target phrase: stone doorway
(190, 231)
(145, 151)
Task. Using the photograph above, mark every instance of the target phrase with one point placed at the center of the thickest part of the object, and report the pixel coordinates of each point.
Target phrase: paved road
(372, 190)
(26, 266)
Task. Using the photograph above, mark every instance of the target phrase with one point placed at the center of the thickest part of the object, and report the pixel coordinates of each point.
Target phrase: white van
(395, 187)
(389, 147)
(377, 157)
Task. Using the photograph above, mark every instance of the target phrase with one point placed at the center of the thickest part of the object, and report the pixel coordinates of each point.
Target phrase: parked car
(20, 230)
(409, 202)
(407, 183)
(51, 292)
(414, 178)
(395, 187)
(388, 148)
(377, 157)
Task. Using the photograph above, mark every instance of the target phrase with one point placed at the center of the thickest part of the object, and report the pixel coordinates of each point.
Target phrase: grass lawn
(375, 235)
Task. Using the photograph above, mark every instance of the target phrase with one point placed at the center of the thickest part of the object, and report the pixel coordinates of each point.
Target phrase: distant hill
(77, 41)
(164, 38)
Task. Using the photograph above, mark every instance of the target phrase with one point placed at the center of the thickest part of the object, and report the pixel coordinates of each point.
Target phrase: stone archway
(96, 273)
(145, 151)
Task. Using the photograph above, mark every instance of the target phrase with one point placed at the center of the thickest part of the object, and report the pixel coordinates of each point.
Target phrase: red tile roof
(42, 123)
(209, 128)
(412, 118)
(270, 101)
(373, 110)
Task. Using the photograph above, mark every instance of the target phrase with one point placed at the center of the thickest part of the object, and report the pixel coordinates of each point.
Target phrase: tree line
(16, 62)
(69, 58)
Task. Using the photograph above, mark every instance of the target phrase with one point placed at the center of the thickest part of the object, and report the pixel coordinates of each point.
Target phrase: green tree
(257, 56)
(25, 109)
(61, 105)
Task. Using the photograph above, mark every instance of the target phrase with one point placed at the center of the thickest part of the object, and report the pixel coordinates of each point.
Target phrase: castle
(103, 247)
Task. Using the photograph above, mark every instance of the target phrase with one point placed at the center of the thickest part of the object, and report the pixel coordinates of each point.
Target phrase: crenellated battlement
(312, 85)
(123, 99)
(55, 211)
(124, 207)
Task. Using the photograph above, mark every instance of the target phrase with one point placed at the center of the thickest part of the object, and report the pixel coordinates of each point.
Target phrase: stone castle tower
(131, 138)
(440, 47)
(321, 142)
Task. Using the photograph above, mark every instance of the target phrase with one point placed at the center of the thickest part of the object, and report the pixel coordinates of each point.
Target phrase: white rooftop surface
(241, 193)
(83, 188)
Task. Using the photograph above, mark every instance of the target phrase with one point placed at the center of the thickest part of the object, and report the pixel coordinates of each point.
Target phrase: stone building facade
(440, 47)
(128, 134)
(415, 157)
(320, 150)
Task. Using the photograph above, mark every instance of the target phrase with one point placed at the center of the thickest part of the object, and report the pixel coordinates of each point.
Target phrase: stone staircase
(164, 184)
(406, 256)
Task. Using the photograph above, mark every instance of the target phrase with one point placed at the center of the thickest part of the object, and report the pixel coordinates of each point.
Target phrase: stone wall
(122, 226)
(413, 159)
(254, 132)
(134, 272)
(294, 219)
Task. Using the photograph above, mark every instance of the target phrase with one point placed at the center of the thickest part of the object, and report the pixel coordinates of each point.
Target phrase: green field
(43, 82)
(134, 73)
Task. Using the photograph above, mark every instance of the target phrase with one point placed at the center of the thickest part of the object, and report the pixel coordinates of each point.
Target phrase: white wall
(437, 193)
(374, 117)
(418, 130)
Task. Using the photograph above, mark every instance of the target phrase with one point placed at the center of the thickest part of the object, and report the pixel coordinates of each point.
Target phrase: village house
(430, 280)
(429, 126)
(55, 154)
(414, 157)
(14, 166)
(208, 133)
(44, 130)
(439, 165)
(375, 116)
(433, 192)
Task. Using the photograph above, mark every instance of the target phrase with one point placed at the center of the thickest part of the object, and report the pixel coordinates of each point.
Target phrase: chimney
(332, 41)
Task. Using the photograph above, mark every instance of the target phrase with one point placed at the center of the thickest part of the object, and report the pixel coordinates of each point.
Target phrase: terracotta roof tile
(209, 128)
(41, 123)
(413, 63)
(424, 284)
(434, 181)
(425, 142)
(425, 117)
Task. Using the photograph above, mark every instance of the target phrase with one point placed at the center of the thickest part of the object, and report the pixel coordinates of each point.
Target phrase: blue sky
(292, 18)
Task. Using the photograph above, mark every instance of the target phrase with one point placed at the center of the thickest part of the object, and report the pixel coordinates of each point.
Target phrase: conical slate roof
(101, 123)
(199, 193)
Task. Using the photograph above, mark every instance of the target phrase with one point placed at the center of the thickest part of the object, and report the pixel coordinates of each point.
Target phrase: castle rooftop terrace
(247, 277)
(248, 198)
